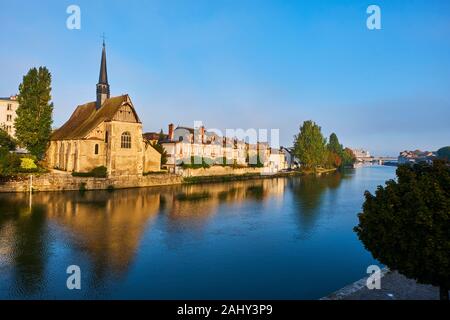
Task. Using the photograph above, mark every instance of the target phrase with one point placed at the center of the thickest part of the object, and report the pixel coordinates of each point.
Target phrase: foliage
(333, 160)
(405, 225)
(348, 157)
(161, 135)
(34, 115)
(12, 163)
(28, 164)
(444, 153)
(9, 163)
(98, 172)
(310, 145)
(258, 164)
(334, 145)
(159, 147)
(197, 163)
(6, 141)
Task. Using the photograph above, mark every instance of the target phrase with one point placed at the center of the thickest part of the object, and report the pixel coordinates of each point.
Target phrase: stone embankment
(394, 286)
(66, 182)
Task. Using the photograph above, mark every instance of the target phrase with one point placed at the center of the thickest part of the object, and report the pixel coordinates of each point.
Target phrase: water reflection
(106, 228)
(24, 243)
(308, 193)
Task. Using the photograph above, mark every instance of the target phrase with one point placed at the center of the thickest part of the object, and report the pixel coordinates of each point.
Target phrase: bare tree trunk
(443, 293)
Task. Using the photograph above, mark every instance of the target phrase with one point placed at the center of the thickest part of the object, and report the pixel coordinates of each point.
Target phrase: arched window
(96, 149)
(125, 141)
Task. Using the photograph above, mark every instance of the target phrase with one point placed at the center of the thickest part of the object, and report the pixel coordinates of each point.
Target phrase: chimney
(171, 132)
(202, 134)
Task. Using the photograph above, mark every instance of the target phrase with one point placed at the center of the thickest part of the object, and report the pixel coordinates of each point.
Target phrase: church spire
(102, 85)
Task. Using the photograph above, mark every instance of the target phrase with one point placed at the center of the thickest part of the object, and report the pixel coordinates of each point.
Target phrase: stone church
(106, 132)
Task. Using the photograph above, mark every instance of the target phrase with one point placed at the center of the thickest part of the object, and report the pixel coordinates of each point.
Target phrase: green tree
(405, 225)
(444, 153)
(348, 157)
(6, 141)
(310, 145)
(334, 145)
(34, 115)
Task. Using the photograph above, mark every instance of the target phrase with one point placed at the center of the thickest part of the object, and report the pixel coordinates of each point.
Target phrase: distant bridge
(379, 160)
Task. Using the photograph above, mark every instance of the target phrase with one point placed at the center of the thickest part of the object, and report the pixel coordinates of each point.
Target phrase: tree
(348, 157)
(333, 159)
(406, 224)
(310, 145)
(6, 141)
(34, 115)
(444, 153)
(161, 135)
(334, 145)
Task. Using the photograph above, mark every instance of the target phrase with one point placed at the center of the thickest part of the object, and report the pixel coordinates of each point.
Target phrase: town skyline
(213, 81)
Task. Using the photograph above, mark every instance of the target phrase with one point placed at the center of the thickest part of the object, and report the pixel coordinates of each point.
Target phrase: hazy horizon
(248, 64)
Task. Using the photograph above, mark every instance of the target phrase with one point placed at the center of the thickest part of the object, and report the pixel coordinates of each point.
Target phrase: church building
(106, 132)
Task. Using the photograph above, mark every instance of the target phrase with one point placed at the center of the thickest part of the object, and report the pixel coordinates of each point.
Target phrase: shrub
(9, 163)
(197, 163)
(28, 164)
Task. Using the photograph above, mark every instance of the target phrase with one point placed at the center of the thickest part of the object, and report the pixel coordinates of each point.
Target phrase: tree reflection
(25, 242)
(308, 192)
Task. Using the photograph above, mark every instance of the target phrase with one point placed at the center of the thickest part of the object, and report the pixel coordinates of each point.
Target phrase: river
(281, 238)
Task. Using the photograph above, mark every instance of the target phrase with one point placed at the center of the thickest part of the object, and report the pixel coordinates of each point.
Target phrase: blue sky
(248, 64)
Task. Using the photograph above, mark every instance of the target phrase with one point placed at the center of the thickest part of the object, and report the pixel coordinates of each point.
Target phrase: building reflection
(107, 227)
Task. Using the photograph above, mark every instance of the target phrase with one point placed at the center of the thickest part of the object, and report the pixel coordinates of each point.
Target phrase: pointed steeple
(103, 78)
(102, 85)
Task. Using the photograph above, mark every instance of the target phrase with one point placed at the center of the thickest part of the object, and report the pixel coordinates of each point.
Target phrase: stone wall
(65, 182)
(218, 171)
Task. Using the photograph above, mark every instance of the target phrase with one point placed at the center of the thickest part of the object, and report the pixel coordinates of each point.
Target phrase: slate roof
(86, 117)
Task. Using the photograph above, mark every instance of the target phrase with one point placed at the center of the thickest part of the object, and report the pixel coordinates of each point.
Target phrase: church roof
(86, 117)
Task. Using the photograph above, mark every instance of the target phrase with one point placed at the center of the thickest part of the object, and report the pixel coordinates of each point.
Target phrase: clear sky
(248, 64)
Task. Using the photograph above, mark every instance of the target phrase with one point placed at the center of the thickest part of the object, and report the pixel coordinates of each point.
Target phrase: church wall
(152, 159)
(87, 159)
(125, 160)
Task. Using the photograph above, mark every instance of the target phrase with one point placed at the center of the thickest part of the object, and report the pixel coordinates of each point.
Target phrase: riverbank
(63, 181)
(66, 182)
(394, 286)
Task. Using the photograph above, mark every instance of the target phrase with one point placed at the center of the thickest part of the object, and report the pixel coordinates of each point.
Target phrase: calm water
(279, 238)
